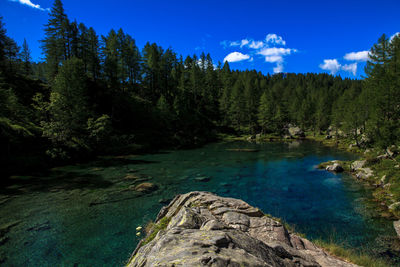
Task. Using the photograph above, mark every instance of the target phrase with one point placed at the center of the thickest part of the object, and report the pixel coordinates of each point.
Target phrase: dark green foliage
(383, 90)
(90, 96)
(26, 59)
(68, 109)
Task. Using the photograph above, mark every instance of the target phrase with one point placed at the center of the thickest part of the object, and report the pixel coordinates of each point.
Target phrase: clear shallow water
(85, 215)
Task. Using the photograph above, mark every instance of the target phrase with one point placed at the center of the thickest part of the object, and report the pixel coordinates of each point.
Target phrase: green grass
(155, 228)
(350, 255)
(346, 165)
(335, 249)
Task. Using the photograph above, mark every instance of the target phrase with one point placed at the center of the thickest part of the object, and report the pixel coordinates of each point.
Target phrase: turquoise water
(86, 215)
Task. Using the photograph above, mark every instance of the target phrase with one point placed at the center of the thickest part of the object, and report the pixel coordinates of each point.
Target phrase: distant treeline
(96, 95)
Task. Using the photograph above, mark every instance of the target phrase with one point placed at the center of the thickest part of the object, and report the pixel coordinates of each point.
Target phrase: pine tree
(3, 38)
(110, 56)
(26, 59)
(237, 112)
(382, 84)
(151, 72)
(55, 45)
(93, 59)
(251, 104)
(266, 113)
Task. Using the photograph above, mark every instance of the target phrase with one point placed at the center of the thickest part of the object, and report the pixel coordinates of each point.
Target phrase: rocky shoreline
(360, 170)
(203, 229)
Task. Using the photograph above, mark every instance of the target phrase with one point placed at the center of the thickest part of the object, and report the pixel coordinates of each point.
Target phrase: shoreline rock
(335, 167)
(200, 228)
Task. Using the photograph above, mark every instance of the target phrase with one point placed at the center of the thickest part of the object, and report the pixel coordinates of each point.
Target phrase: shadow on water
(58, 181)
(119, 161)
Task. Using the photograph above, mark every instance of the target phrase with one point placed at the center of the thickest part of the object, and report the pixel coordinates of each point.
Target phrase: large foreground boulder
(202, 229)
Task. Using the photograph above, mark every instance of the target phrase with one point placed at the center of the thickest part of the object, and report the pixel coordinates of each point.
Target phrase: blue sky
(269, 36)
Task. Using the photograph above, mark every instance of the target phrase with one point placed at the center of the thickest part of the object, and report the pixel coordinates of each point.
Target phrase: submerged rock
(146, 187)
(200, 228)
(202, 179)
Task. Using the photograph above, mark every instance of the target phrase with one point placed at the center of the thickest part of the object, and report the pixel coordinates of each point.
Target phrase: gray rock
(335, 168)
(387, 185)
(351, 146)
(364, 173)
(295, 131)
(358, 164)
(395, 206)
(392, 151)
(396, 225)
(205, 229)
(251, 138)
(384, 179)
(365, 140)
(381, 157)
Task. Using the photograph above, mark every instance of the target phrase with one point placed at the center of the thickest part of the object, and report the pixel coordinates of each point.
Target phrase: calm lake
(86, 215)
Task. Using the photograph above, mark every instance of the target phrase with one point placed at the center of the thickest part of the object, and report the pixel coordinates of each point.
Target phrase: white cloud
(256, 44)
(271, 38)
(273, 59)
(332, 65)
(394, 35)
(275, 39)
(276, 55)
(29, 3)
(276, 51)
(351, 68)
(200, 63)
(278, 68)
(244, 42)
(236, 56)
(270, 48)
(357, 56)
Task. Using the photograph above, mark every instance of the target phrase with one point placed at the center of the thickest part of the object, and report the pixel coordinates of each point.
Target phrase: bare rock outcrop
(202, 229)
